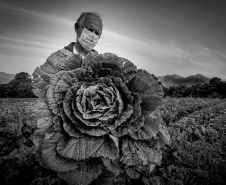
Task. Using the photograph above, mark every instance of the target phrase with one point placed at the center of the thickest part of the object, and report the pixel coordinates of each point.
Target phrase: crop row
(197, 154)
(198, 141)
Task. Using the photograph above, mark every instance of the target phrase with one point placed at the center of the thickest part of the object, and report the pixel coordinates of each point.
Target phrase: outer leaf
(150, 100)
(145, 181)
(156, 180)
(51, 159)
(85, 147)
(129, 128)
(150, 80)
(109, 149)
(131, 172)
(113, 165)
(60, 60)
(139, 153)
(86, 172)
(79, 148)
(136, 107)
(164, 136)
(129, 69)
(148, 130)
(44, 115)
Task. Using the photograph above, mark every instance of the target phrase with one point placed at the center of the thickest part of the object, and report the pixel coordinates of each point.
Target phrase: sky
(165, 37)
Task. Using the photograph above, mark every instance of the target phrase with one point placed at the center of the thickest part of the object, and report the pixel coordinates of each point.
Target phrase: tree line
(216, 88)
(19, 87)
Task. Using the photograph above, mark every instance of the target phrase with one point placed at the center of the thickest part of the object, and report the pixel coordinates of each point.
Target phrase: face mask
(88, 39)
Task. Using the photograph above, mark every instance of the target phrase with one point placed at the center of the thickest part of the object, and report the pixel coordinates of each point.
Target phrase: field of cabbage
(197, 154)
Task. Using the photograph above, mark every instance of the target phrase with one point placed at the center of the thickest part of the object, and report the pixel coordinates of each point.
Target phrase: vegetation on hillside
(216, 88)
(19, 87)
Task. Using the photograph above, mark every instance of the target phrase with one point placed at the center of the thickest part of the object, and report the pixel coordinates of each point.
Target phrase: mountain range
(176, 80)
(5, 77)
(167, 80)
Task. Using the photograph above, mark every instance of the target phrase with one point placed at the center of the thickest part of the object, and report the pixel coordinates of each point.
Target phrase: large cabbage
(97, 116)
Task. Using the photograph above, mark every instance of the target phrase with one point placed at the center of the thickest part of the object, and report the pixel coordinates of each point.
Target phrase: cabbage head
(97, 117)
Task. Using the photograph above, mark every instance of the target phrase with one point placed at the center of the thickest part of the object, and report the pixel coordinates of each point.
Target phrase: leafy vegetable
(97, 117)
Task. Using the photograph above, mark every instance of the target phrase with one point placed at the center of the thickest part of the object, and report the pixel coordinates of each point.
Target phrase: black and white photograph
(123, 92)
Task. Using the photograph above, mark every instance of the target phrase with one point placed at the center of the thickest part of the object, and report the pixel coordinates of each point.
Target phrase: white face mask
(88, 39)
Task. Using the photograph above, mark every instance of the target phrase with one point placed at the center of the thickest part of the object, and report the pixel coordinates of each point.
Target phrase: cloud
(27, 43)
(7, 6)
(13, 65)
(49, 33)
(166, 58)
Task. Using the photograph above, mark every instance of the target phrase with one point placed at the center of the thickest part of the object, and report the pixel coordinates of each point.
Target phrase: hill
(176, 80)
(5, 77)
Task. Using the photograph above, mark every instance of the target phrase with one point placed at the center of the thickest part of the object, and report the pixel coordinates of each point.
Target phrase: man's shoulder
(70, 47)
(59, 56)
(64, 59)
(64, 52)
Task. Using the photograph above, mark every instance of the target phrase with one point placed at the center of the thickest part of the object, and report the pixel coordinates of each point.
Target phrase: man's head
(91, 21)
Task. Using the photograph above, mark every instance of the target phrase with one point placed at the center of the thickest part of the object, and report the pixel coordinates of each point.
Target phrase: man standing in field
(88, 29)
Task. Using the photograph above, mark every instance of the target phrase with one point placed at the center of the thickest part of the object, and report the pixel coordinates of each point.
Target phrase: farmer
(88, 29)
